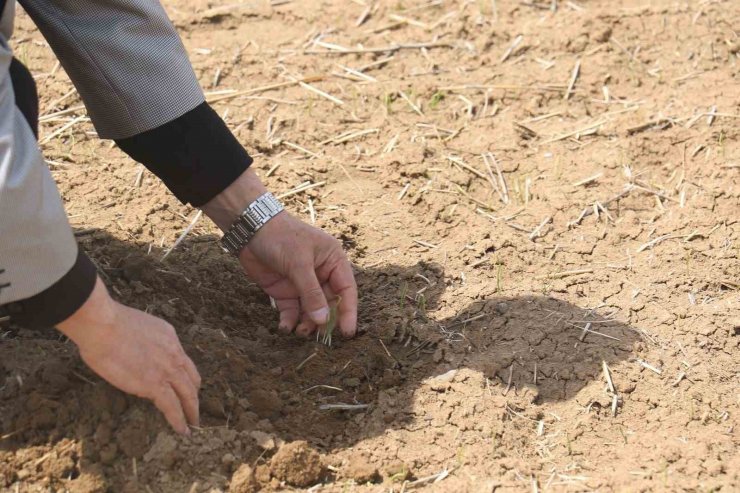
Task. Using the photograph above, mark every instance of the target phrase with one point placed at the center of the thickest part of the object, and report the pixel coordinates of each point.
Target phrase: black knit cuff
(26, 96)
(58, 302)
(195, 155)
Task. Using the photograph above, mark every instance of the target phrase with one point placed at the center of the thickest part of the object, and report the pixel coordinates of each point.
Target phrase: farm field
(542, 203)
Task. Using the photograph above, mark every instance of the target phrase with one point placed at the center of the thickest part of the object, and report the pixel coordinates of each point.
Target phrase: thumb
(312, 296)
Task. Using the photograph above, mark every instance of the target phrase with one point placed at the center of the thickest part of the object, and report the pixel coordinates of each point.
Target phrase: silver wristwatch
(256, 215)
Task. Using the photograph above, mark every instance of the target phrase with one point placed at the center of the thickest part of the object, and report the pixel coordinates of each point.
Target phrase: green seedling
(421, 303)
(404, 291)
(388, 99)
(437, 98)
(328, 329)
(546, 287)
(401, 475)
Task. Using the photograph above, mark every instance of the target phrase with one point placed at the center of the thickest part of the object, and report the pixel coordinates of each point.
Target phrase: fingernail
(320, 316)
(187, 432)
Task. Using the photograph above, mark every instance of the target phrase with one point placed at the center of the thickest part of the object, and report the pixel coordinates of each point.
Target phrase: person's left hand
(303, 269)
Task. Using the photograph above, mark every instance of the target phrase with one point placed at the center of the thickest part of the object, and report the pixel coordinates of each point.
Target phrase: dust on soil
(473, 356)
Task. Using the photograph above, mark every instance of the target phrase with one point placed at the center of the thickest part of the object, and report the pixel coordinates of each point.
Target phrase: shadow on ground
(525, 350)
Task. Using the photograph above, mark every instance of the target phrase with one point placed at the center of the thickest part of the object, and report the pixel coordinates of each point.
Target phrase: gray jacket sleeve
(131, 69)
(124, 57)
(37, 247)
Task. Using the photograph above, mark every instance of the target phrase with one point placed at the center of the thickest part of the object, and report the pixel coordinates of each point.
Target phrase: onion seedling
(404, 290)
(330, 324)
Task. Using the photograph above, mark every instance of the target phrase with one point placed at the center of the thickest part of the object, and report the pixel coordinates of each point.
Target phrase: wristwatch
(256, 215)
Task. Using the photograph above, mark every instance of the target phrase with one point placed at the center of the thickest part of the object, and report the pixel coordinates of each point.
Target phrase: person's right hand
(138, 353)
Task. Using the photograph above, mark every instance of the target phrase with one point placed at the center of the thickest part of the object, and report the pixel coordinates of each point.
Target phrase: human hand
(137, 353)
(303, 269)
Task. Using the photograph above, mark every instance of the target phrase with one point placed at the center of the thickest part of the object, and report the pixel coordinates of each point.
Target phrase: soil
(493, 304)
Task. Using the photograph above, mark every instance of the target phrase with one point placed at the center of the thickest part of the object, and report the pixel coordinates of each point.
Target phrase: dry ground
(536, 200)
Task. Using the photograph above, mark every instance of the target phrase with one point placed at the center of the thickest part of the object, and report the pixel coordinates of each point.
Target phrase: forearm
(225, 207)
(97, 312)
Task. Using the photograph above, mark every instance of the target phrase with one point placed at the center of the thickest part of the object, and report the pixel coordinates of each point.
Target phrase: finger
(328, 292)
(313, 301)
(290, 312)
(332, 299)
(169, 405)
(192, 372)
(306, 327)
(188, 395)
(288, 321)
(342, 282)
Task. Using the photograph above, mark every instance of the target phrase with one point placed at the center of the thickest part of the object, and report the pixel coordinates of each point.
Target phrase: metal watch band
(256, 215)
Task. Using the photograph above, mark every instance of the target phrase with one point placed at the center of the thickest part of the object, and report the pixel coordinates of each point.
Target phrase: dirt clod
(243, 480)
(164, 450)
(264, 440)
(91, 481)
(297, 464)
(362, 472)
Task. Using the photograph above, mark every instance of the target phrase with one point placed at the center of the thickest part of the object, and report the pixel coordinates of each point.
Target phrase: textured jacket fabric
(36, 243)
(130, 67)
(125, 59)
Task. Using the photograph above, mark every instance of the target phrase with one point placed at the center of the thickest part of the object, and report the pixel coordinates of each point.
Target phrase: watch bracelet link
(256, 215)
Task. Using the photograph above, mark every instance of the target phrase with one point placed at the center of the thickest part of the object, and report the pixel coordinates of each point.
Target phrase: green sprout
(421, 303)
(328, 329)
(388, 99)
(721, 142)
(437, 98)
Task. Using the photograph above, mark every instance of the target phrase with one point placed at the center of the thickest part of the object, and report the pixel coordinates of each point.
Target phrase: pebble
(263, 440)
(442, 382)
(351, 382)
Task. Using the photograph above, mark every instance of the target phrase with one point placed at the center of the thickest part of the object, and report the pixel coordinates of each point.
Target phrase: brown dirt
(470, 357)
(297, 464)
(244, 480)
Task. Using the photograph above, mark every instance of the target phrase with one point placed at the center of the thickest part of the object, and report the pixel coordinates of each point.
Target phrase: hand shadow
(526, 349)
